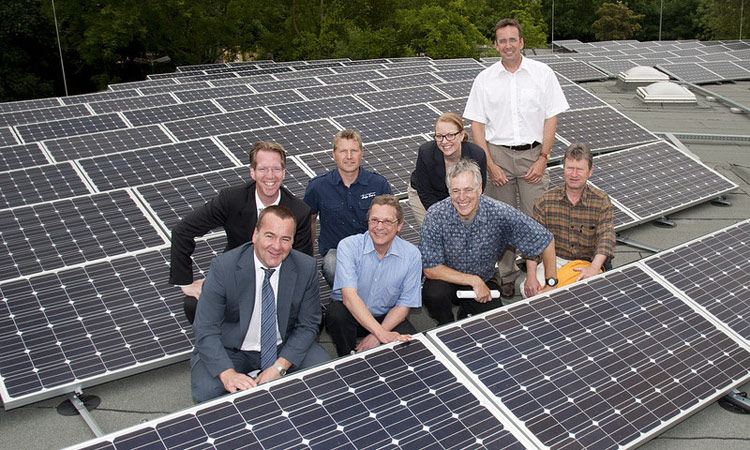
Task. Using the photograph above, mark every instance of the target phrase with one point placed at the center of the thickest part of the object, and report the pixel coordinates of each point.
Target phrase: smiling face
(451, 148)
(576, 173)
(268, 174)
(465, 195)
(509, 44)
(273, 239)
(348, 156)
(381, 233)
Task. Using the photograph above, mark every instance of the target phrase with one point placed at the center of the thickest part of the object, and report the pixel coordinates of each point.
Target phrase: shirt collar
(336, 177)
(522, 66)
(369, 246)
(585, 196)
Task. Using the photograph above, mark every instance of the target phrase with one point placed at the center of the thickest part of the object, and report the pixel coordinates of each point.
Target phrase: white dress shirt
(252, 338)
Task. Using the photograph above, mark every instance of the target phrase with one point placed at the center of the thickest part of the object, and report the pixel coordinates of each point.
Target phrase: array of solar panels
(92, 184)
(687, 60)
(606, 363)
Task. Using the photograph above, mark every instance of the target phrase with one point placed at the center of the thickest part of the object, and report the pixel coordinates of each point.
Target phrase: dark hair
(579, 151)
(282, 212)
(347, 134)
(389, 200)
(269, 147)
(508, 23)
(455, 119)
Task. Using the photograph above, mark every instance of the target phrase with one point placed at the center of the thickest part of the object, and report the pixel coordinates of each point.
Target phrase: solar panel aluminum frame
(478, 384)
(438, 355)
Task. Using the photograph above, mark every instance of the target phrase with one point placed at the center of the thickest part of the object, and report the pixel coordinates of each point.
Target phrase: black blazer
(233, 209)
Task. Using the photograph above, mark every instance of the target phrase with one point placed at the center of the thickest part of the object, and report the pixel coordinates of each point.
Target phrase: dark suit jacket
(234, 209)
(228, 297)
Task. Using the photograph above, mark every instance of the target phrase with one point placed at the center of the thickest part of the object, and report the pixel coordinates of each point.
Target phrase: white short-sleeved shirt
(514, 106)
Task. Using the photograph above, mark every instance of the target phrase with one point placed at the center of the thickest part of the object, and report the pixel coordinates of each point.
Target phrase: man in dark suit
(236, 209)
(259, 310)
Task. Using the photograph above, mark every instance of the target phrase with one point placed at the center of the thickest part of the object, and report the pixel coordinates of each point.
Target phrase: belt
(523, 147)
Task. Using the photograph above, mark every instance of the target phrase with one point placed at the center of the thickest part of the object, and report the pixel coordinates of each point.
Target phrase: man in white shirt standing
(513, 108)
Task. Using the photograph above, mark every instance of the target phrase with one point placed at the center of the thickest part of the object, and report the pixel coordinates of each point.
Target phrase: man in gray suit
(259, 310)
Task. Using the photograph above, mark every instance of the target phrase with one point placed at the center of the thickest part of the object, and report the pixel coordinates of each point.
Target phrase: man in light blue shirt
(377, 280)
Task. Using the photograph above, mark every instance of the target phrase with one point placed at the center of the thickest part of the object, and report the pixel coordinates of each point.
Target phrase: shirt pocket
(530, 100)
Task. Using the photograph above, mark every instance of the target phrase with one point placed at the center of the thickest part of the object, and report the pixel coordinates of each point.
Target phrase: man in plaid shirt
(580, 218)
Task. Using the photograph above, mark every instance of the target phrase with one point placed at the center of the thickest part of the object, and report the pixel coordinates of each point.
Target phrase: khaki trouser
(515, 164)
(416, 205)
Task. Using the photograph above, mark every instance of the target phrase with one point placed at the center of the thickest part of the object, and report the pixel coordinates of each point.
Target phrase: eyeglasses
(265, 170)
(449, 136)
(386, 222)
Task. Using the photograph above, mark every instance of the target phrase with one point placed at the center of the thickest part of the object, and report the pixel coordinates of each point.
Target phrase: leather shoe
(507, 290)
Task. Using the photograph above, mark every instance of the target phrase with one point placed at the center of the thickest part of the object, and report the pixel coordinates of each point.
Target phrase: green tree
(573, 18)
(616, 21)
(720, 19)
(438, 33)
(679, 19)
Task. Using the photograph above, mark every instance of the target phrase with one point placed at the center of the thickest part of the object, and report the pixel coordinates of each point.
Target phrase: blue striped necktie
(267, 322)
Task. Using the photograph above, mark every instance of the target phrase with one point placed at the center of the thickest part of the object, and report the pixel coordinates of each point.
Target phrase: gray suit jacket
(228, 298)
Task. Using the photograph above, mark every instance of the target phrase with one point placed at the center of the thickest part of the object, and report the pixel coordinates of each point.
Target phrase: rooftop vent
(642, 74)
(665, 92)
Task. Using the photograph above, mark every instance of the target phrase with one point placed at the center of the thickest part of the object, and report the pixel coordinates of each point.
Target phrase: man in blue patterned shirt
(461, 239)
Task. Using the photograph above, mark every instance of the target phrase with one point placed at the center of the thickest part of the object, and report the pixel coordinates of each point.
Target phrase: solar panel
(24, 105)
(580, 98)
(141, 84)
(43, 115)
(285, 84)
(171, 112)
(406, 81)
(39, 184)
(296, 139)
(613, 68)
(402, 97)
(199, 127)
(173, 88)
(172, 200)
(722, 56)
(692, 73)
(7, 137)
(317, 109)
(98, 97)
(106, 142)
(394, 71)
(684, 60)
(390, 123)
(727, 70)
(456, 106)
(128, 169)
(19, 156)
(216, 92)
(304, 73)
(351, 77)
(456, 89)
(244, 78)
(577, 71)
(214, 76)
(61, 331)
(605, 363)
(601, 129)
(336, 90)
(710, 271)
(126, 104)
(366, 65)
(257, 100)
(405, 396)
(657, 178)
(69, 127)
(48, 236)
(459, 75)
(196, 67)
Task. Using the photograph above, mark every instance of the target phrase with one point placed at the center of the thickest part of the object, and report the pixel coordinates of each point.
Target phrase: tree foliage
(616, 21)
(720, 19)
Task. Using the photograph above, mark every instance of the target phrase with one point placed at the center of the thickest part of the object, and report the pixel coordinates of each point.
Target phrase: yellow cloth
(566, 275)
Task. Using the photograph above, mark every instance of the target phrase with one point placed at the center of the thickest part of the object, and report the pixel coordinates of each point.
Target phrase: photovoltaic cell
(406, 81)
(170, 112)
(689, 72)
(98, 97)
(24, 105)
(140, 84)
(392, 397)
(580, 98)
(216, 92)
(459, 75)
(286, 84)
(243, 79)
(601, 129)
(457, 89)
(20, 156)
(43, 115)
(577, 71)
(127, 104)
(605, 363)
(67, 232)
(106, 142)
(150, 90)
(129, 169)
(317, 109)
(296, 139)
(710, 271)
(336, 90)
(402, 97)
(69, 127)
(351, 77)
(393, 72)
(613, 68)
(727, 70)
(394, 159)
(39, 184)
(199, 127)
(257, 100)
(67, 328)
(656, 178)
(455, 106)
(304, 73)
(390, 123)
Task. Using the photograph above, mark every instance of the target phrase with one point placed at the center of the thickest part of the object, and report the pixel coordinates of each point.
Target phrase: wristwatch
(551, 282)
(282, 371)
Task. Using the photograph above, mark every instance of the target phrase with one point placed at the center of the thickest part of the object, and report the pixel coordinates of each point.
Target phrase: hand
(482, 291)
(270, 374)
(534, 175)
(372, 341)
(193, 289)
(234, 381)
(531, 287)
(496, 173)
(586, 272)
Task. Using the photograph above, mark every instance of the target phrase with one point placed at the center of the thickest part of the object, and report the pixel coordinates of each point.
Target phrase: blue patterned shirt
(475, 247)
